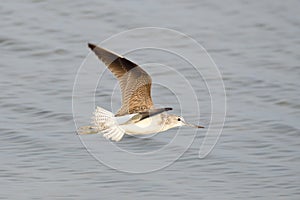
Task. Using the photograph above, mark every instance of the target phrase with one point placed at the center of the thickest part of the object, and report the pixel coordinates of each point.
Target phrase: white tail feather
(106, 123)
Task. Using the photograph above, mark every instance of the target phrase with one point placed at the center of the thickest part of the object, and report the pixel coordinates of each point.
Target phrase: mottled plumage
(134, 82)
(137, 116)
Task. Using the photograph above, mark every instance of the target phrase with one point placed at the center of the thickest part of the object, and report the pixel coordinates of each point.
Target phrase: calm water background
(256, 45)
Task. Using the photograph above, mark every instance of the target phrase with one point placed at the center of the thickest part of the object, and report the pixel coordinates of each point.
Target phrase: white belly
(147, 126)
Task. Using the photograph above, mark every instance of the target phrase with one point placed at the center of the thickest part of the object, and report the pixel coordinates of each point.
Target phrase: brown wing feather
(134, 82)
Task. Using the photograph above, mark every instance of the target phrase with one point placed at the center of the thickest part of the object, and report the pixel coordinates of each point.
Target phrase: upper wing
(134, 82)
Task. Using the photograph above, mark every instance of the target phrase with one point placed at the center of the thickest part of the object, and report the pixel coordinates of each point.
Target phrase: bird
(137, 115)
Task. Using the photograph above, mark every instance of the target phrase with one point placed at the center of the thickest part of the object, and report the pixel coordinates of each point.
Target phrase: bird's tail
(104, 122)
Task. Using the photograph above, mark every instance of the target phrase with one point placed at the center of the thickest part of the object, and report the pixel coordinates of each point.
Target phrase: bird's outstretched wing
(134, 82)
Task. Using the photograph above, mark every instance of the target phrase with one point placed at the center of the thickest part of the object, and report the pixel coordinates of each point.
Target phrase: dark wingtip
(92, 46)
(200, 126)
(166, 109)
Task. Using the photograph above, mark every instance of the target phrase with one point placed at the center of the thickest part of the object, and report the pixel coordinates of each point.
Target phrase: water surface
(256, 45)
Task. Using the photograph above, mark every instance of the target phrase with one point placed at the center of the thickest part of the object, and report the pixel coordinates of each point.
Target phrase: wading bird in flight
(137, 115)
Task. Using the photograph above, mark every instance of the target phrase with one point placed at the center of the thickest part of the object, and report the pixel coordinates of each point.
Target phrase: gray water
(256, 46)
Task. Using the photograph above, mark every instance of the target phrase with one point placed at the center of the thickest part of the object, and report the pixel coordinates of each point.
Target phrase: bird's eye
(179, 119)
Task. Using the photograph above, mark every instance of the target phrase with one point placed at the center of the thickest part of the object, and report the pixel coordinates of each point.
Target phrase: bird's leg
(87, 130)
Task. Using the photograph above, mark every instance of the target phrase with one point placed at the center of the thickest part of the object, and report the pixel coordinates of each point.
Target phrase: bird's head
(175, 121)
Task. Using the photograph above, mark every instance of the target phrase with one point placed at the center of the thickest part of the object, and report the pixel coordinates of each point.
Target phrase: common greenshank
(137, 115)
